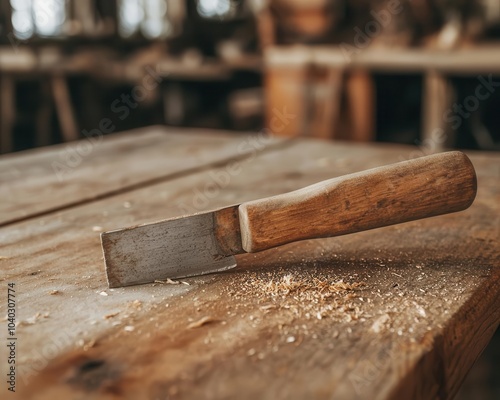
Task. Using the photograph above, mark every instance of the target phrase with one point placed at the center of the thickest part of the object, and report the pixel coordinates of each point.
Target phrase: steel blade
(174, 248)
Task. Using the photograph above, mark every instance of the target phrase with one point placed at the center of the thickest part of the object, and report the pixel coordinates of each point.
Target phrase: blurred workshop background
(421, 72)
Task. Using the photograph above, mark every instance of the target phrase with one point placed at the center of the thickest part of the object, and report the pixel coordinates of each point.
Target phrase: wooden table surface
(398, 312)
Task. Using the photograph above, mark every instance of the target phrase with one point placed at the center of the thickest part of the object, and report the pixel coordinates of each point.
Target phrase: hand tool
(205, 243)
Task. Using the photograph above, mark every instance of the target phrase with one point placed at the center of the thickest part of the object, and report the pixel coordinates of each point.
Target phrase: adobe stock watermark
(455, 115)
(363, 37)
(38, 359)
(370, 371)
(72, 155)
(249, 148)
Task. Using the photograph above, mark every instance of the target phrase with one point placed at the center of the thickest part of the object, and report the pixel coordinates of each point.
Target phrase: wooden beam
(436, 100)
(7, 112)
(64, 108)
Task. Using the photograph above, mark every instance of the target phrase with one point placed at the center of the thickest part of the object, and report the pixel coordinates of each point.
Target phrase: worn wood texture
(387, 195)
(399, 312)
(41, 181)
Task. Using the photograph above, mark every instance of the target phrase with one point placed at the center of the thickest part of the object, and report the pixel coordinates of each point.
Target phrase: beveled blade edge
(174, 248)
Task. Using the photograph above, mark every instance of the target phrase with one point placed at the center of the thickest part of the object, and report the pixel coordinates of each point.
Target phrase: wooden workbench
(399, 312)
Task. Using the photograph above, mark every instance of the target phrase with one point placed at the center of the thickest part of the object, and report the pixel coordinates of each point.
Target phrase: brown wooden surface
(43, 180)
(399, 312)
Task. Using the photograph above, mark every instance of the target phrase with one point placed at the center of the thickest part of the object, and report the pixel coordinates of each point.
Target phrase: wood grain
(428, 307)
(41, 181)
(388, 195)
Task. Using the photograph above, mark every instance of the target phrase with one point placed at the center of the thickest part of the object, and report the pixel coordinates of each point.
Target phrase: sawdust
(88, 345)
(136, 304)
(381, 323)
(301, 302)
(302, 294)
(289, 284)
(34, 319)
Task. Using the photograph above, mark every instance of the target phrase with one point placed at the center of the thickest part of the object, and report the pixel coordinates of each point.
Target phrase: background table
(398, 312)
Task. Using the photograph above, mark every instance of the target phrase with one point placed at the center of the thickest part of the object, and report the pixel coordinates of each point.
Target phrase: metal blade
(175, 248)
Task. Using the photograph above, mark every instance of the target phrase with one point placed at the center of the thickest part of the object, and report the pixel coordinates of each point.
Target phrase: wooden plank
(40, 181)
(468, 61)
(428, 306)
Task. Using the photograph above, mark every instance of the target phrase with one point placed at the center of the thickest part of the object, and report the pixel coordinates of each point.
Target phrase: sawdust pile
(305, 295)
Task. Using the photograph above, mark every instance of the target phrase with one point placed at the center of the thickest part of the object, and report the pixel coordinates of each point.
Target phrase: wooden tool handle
(406, 191)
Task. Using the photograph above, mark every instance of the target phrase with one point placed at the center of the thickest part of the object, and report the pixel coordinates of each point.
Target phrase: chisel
(207, 242)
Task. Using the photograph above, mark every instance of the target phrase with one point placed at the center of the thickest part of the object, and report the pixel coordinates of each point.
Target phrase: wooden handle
(406, 191)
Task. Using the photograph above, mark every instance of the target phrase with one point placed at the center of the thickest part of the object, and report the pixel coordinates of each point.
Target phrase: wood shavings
(268, 307)
(313, 295)
(289, 284)
(111, 315)
(380, 323)
(129, 328)
(54, 292)
(3, 258)
(87, 346)
(421, 311)
(34, 319)
(103, 293)
(136, 304)
(203, 321)
(167, 281)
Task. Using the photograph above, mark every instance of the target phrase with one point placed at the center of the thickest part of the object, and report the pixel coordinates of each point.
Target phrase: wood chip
(203, 321)
(167, 281)
(136, 304)
(54, 292)
(34, 319)
(111, 315)
(290, 339)
(89, 345)
(268, 307)
(380, 323)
